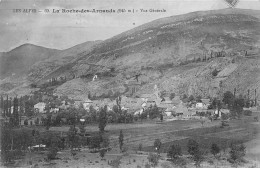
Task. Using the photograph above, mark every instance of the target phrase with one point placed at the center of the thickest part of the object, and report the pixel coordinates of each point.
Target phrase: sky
(64, 30)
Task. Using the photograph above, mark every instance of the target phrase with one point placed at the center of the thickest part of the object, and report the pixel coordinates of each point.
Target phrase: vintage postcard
(129, 83)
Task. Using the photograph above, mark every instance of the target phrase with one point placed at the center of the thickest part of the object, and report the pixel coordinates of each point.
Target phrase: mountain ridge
(182, 45)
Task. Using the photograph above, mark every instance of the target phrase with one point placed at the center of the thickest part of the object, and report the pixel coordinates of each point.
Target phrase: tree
(191, 98)
(184, 97)
(82, 129)
(198, 98)
(102, 119)
(228, 99)
(121, 140)
(157, 145)
(52, 153)
(15, 112)
(193, 149)
(153, 158)
(172, 95)
(214, 149)
(215, 72)
(154, 112)
(238, 105)
(102, 153)
(95, 141)
(72, 133)
(29, 107)
(174, 152)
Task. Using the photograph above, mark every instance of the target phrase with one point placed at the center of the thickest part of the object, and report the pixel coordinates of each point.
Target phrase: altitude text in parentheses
(46, 10)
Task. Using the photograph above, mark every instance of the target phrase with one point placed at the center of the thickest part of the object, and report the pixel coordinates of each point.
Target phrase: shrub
(140, 147)
(157, 145)
(102, 119)
(115, 163)
(104, 142)
(147, 165)
(52, 153)
(215, 149)
(153, 159)
(121, 139)
(95, 141)
(174, 152)
(247, 112)
(215, 72)
(193, 149)
(237, 152)
(172, 95)
(102, 153)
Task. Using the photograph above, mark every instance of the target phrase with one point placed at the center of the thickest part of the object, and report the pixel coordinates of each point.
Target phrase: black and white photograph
(129, 83)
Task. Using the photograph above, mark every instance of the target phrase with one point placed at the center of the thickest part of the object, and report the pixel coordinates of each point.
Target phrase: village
(83, 124)
(172, 107)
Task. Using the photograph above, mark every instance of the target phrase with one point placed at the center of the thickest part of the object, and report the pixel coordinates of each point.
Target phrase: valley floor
(172, 132)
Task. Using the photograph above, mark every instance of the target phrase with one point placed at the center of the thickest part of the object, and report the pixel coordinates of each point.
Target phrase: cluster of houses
(171, 108)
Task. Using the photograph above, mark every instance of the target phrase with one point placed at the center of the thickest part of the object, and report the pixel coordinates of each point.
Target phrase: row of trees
(236, 153)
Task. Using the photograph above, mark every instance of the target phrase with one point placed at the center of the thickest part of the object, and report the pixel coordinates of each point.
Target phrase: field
(172, 132)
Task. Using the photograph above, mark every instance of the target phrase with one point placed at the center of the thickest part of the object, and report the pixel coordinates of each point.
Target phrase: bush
(157, 145)
(247, 112)
(214, 149)
(174, 152)
(51, 155)
(121, 140)
(215, 72)
(147, 165)
(140, 147)
(95, 141)
(180, 162)
(193, 149)
(115, 163)
(153, 159)
(102, 153)
(237, 152)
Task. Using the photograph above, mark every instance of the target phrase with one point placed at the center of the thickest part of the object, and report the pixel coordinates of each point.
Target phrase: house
(167, 105)
(221, 111)
(206, 101)
(201, 105)
(54, 110)
(87, 103)
(133, 86)
(39, 107)
(176, 100)
(28, 121)
(132, 103)
(182, 110)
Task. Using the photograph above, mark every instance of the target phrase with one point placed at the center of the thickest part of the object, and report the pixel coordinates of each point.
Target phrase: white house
(39, 107)
(87, 103)
(201, 105)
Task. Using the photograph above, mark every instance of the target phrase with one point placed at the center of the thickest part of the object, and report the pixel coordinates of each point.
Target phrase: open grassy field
(173, 132)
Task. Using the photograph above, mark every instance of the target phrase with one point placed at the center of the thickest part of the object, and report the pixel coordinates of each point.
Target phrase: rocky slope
(169, 52)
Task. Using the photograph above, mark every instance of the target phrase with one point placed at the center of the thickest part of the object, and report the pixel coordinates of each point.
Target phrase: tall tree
(15, 112)
(121, 140)
(102, 118)
(228, 99)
